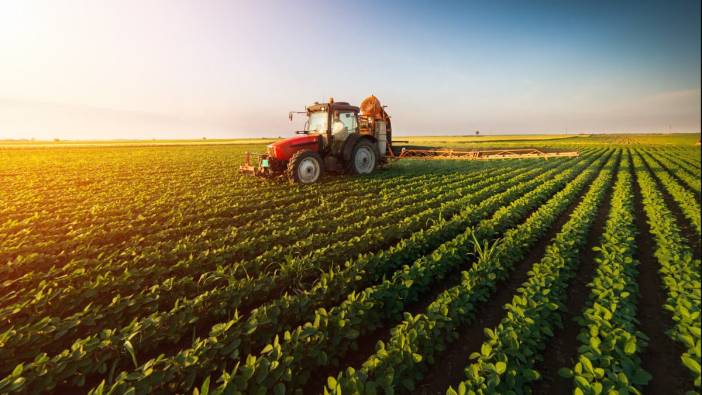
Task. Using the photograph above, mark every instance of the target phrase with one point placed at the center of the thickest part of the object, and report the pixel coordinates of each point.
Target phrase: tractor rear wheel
(305, 167)
(364, 157)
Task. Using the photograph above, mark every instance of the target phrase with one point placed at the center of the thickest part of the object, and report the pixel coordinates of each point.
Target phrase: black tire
(363, 147)
(305, 167)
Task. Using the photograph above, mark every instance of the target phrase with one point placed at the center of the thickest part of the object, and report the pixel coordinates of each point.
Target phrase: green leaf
(531, 374)
(100, 389)
(565, 373)
(205, 387)
(641, 377)
(279, 389)
(690, 363)
(17, 383)
(130, 350)
(462, 388)
(18, 370)
(587, 364)
(268, 348)
(630, 347)
(500, 367)
(582, 382)
(597, 387)
(486, 349)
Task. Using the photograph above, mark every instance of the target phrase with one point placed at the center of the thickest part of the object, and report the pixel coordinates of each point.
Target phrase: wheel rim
(364, 160)
(308, 170)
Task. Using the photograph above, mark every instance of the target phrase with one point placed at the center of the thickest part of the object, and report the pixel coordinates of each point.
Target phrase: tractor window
(349, 121)
(317, 122)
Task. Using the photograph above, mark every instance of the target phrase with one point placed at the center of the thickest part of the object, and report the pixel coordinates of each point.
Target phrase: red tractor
(337, 137)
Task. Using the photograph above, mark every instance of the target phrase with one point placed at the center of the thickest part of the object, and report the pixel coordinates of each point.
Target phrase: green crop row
(165, 271)
(686, 200)
(285, 313)
(209, 222)
(608, 357)
(419, 340)
(200, 230)
(105, 226)
(681, 170)
(678, 268)
(107, 345)
(121, 311)
(177, 259)
(689, 161)
(323, 342)
(505, 361)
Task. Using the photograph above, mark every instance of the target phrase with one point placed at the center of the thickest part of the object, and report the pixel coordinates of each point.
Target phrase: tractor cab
(337, 137)
(334, 122)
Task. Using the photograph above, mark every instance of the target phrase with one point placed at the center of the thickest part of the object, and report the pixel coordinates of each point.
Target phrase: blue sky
(180, 69)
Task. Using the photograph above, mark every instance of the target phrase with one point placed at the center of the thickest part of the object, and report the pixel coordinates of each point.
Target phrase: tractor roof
(333, 106)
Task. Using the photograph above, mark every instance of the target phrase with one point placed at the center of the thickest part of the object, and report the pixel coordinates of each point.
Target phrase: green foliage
(430, 333)
(608, 356)
(678, 268)
(162, 270)
(534, 312)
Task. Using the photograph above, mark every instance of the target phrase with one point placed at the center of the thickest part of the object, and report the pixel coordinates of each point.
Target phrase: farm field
(158, 268)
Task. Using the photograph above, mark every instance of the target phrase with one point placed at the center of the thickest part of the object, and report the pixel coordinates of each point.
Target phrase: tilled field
(160, 269)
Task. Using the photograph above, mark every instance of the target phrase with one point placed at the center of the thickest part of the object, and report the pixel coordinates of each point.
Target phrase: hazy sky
(176, 69)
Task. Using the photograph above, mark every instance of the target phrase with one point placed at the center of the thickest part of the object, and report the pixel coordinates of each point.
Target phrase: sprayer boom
(450, 153)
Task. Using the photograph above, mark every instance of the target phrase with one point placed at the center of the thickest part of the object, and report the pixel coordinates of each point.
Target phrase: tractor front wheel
(305, 167)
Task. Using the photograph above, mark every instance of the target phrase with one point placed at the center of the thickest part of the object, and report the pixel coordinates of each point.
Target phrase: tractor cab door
(344, 124)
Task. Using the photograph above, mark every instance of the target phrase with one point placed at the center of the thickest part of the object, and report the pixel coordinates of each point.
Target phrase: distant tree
(57, 140)
(204, 138)
(477, 132)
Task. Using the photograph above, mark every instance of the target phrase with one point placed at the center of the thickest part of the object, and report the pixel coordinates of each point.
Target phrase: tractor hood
(284, 149)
